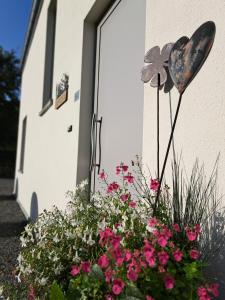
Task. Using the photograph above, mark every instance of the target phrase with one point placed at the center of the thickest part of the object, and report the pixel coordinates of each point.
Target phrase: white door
(119, 93)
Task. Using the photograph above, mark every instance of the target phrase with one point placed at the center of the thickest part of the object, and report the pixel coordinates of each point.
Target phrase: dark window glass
(49, 52)
(23, 142)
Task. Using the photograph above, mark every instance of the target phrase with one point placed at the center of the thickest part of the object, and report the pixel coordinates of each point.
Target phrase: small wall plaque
(62, 91)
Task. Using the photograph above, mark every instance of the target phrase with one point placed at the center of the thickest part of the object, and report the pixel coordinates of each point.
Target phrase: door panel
(119, 91)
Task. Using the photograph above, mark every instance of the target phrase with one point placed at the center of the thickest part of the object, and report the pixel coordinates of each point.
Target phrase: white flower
(43, 281)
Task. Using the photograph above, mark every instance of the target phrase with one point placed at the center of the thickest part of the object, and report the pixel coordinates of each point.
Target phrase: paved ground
(12, 222)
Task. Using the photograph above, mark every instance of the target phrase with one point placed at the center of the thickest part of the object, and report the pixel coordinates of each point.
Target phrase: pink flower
(128, 255)
(108, 275)
(109, 297)
(177, 254)
(132, 275)
(124, 167)
(129, 178)
(149, 298)
(85, 265)
(154, 185)
(102, 175)
(31, 294)
(191, 235)
(112, 187)
(198, 229)
(132, 204)
(75, 270)
(118, 286)
(152, 222)
(163, 257)
(213, 289)
(118, 170)
(124, 197)
(169, 282)
(194, 254)
(162, 241)
(119, 261)
(161, 269)
(202, 291)
(176, 228)
(103, 261)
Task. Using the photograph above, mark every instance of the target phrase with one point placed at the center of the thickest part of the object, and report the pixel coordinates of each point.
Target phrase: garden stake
(167, 152)
(158, 126)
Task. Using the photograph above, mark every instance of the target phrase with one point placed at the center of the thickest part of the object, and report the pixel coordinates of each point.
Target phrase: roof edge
(35, 11)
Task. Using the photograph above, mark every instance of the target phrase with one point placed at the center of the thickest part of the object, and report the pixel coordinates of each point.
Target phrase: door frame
(87, 90)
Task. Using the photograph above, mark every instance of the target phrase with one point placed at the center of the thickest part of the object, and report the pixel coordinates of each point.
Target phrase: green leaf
(96, 273)
(56, 292)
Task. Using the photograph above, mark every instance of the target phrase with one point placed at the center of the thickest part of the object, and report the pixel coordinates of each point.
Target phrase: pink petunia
(124, 167)
(75, 270)
(178, 255)
(213, 289)
(108, 274)
(149, 298)
(118, 286)
(194, 254)
(169, 282)
(191, 235)
(152, 222)
(176, 228)
(127, 256)
(202, 291)
(163, 257)
(154, 185)
(132, 275)
(85, 265)
(103, 261)
(162, 241)
(112, 187)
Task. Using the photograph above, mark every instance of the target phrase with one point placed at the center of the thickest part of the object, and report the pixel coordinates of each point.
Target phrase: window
(23, 141)
(49, 53)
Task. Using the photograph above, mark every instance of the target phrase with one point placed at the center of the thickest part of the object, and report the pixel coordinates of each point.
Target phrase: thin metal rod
(167, 153)
(158, 126)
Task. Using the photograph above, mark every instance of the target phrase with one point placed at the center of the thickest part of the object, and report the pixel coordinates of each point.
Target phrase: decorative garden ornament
(188, 55)
(186, 59)
(155, 64)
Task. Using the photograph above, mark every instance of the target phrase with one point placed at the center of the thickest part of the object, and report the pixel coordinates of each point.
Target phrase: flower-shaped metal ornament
(155, 64)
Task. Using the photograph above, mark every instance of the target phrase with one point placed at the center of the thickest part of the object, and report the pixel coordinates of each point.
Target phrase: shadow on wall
(34, 208)
(16, 189)
(215, 238)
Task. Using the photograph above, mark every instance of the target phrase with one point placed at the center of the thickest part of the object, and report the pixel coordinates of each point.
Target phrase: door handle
(93, 145)
(95, 121)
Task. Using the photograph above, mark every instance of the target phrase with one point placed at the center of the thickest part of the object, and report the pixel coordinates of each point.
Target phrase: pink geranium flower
(112, 187)
(118, 286)
(162, 240)
(103, 261)
(202, 291)
(178, 255)
(152, 222)
(85, 265)
(194, 254)
(154, 185)
(75, 270)
(108, 274)
(169, 282)
(163, 257)
(127, 256)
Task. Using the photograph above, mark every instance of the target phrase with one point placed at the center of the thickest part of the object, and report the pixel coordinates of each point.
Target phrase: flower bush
(110, 246)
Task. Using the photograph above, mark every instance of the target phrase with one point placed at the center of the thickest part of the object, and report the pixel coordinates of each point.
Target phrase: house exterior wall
(51, 153)
(201, 121)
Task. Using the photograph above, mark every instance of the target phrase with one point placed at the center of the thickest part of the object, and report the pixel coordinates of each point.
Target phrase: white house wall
(50, 151)
(201, 122)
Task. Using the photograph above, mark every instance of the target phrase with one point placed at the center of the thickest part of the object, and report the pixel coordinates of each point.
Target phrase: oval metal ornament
(188, 55)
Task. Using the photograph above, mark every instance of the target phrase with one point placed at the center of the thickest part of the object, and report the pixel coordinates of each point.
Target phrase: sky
(14, 18)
